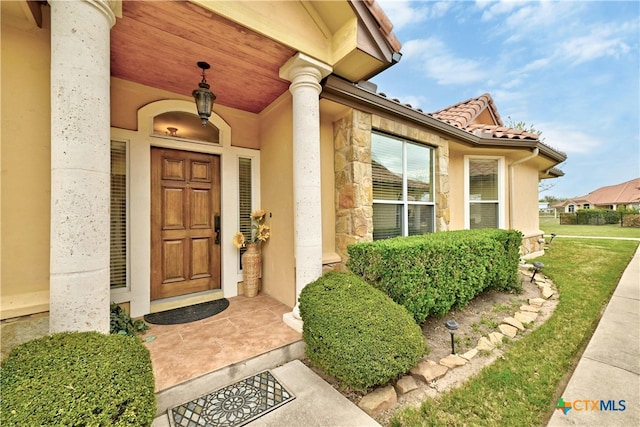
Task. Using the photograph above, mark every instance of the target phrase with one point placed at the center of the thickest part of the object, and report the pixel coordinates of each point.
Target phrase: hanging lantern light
(203, 96)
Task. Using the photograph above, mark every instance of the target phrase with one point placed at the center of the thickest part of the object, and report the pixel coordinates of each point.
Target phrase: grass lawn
(551, 225)
(522, 388)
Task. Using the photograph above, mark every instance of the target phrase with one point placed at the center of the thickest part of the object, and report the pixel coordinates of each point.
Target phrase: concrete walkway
(316, 403)
(604, 390)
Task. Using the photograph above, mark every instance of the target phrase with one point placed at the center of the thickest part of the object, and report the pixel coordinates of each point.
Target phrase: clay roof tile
(384, 23)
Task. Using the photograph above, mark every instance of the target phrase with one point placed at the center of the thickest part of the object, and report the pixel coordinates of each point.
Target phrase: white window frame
(405, 203)
(502, 211)
(255, 194)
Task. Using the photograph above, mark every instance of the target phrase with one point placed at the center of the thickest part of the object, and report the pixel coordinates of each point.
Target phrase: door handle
(216, 228)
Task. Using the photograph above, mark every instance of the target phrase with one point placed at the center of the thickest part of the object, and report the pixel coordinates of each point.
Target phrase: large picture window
(484, 184)
(403, 200)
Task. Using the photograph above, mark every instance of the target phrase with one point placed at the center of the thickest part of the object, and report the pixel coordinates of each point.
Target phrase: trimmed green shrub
(597, 216)
(432, 273)
(356, 333)
(78, 379)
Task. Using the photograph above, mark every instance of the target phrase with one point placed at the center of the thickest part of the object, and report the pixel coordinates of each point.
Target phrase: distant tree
(524, 127)
(551, 200)
(544, 185)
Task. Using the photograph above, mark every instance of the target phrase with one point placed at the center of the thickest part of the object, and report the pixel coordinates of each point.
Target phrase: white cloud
(496, 8)
(566, 138)
(439, 9)
(602, 41)
(439, 63)
(510, 84)
(523, 20)
(403, 12)
(536, 65)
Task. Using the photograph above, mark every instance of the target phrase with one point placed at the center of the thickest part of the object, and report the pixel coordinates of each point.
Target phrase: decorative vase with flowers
(252, 258)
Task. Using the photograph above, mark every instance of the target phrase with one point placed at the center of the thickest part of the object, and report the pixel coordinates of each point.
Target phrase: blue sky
(569, 68)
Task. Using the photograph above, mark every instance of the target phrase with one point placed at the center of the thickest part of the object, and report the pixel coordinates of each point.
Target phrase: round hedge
(356, 333)
(78, 379)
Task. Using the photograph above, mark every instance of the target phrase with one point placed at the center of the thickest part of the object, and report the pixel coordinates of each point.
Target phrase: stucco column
(80, 164)
(305, 74)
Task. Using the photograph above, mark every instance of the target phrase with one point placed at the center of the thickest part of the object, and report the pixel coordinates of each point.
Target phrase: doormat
(188, 314)
(234, 405)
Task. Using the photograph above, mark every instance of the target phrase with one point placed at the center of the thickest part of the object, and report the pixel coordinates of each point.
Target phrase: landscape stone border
(430, 372)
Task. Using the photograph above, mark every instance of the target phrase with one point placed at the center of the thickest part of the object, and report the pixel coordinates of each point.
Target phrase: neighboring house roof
(620, 194)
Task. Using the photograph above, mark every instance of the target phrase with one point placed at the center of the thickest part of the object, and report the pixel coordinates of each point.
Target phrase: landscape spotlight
(537, 266)
(452, 326)
(553, 235)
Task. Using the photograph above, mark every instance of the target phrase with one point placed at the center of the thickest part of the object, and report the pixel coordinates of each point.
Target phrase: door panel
(200, 208)
(200, 258)
(185, 197)
(173, 255)
(173, 207)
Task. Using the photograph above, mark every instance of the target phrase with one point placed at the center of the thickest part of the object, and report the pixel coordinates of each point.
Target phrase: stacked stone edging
(429, 372)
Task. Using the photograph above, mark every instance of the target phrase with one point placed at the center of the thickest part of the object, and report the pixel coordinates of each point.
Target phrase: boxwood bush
(78, 379)
(356, 333)
(432, 273)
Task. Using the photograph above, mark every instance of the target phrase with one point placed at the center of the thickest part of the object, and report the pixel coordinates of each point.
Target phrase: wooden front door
(185, 222)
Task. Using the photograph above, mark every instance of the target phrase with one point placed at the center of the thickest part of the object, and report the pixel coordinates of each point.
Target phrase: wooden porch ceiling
(158, 44)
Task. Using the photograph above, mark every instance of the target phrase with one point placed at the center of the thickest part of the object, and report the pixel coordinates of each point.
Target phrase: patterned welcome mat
(233, 405)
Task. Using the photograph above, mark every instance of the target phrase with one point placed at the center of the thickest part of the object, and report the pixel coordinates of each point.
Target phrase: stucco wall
(276, 156)
(525, 197)
(26, 165)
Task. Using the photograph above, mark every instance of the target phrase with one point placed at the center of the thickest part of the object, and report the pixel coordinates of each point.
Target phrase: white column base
(292, 321)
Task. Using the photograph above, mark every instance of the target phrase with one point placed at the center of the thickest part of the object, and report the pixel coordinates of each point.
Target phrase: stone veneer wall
(353, 175)
(532, 245)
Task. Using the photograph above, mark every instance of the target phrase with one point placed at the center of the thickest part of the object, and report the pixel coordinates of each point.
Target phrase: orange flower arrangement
(260, 231)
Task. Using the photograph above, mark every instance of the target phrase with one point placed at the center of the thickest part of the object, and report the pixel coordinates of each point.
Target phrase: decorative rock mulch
(429, 372)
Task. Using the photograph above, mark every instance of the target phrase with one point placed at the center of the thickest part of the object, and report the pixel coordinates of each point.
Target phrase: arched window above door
(183, 125)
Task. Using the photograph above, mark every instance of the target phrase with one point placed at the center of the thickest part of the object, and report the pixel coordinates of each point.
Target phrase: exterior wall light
(537, 266)
(203, 96)
(452, 326)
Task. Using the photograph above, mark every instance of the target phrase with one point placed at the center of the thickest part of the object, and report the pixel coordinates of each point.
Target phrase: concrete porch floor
(247, 328)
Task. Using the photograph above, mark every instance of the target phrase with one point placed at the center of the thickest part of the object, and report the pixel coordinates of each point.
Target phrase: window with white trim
(245, 199)
(484, 190)
(403, 177)
(118, 229)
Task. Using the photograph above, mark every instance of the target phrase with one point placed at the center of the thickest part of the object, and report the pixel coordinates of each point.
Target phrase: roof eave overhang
(387, 55)
(552, 173)
(344, 92)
